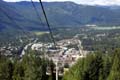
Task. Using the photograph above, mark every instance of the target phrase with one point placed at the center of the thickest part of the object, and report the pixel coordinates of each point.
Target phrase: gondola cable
(37, 13)
(48, 25)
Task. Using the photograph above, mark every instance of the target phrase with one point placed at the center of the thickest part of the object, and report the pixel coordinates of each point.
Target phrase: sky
(88, 2)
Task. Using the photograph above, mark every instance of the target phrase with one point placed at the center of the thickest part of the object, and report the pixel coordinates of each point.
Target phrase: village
(64, 55)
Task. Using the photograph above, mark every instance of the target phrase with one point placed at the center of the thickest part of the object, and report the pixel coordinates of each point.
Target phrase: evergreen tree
(44, 77)
(93, 65)
(34, 66)
(52, 66)
(88, 68)
(115, 71)
(107, 64)
(18, 73)
(6, 69)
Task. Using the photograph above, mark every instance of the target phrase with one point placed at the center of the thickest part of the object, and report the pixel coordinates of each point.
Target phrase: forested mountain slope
(60, 14)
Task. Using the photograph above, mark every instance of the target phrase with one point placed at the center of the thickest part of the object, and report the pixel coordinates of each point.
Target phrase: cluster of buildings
(65, 54)
(8, 51)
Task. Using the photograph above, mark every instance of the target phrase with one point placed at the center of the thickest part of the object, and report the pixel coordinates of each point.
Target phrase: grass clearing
(40, 33)
(106, 28)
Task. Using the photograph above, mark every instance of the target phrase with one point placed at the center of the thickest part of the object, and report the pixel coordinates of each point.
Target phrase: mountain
(69, 14)
(114, 7)
(10, 30)
(60, 14)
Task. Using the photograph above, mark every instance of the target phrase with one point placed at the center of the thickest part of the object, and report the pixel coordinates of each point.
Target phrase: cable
(37, 13)
(51, 34)
(53, 39)
(50, 30)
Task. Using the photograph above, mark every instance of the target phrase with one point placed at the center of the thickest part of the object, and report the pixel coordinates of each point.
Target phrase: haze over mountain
(87, 2)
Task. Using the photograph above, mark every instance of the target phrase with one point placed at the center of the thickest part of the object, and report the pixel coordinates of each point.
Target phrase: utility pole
(80, 48)
(57, 70)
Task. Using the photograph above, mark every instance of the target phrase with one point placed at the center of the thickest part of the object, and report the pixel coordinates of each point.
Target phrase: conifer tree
(115, 71)
(107, 64)
(93, 65)
(6, 69)
(18, 73)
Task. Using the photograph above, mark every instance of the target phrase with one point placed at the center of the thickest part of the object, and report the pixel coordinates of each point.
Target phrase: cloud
(89, 2)
(105, 2)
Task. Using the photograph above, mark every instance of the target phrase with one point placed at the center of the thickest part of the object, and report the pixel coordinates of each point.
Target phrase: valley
(75, 42)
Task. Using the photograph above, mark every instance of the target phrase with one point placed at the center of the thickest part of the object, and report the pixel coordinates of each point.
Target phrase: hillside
(68, 14)
(60, 14)
(10, 29)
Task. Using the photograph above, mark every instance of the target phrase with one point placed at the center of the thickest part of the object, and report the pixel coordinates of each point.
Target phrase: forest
(96, 66)
(30, 67)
